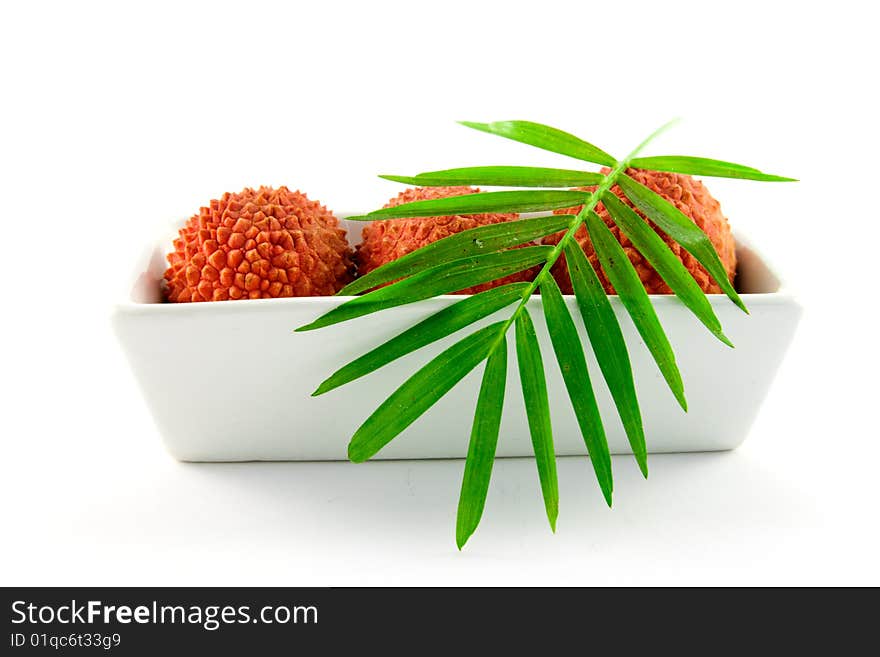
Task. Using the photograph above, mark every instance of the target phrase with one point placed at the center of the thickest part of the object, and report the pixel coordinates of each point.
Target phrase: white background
(117, 121)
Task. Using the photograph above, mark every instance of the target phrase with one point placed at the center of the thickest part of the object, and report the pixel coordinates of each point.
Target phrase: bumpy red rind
(384, 241)
(688, 195)
(258, 244)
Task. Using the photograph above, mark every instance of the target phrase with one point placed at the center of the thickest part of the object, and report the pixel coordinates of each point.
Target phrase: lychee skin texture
(259, 244)
(384, 241)
(688, 195)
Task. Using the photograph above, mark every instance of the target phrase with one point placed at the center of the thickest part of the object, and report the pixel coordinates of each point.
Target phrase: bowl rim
(126, 302)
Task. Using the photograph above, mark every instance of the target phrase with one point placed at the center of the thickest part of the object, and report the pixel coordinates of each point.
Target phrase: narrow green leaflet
(547, 138)
(534, 388)
(609, 347)
(680, 228)
(703, 166)
(502, 176)
(481, 450)
(626, 282)
(661, 258)
(442, 279)
(439, 325)
(570, 356)
(535, 200)
(420, 392)
(473, 242)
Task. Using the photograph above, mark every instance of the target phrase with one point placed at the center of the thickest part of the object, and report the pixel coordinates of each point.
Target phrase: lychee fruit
(258, 244)
(688, 195)
(384, 241)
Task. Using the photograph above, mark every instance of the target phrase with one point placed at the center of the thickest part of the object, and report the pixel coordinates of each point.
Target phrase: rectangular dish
(231, 381)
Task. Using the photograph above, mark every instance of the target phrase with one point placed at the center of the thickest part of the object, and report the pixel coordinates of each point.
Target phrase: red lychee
(688, 195)
(259, 244)
(384, 241)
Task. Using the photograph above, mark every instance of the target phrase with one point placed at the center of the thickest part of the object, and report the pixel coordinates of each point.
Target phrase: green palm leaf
(682, 229)
(494, 202)
(628, 286)
(609, 347)
(703, 166)
(670, 268)
(491, 252)
(472, 242)
(442, 279)
(570, 356)
(502, 176)
(439, 325)
(546, 138)
(534, 388)
(421, 391)
(481, 450)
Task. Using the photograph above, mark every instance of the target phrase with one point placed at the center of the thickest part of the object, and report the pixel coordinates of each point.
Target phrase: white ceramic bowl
(231, 381)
